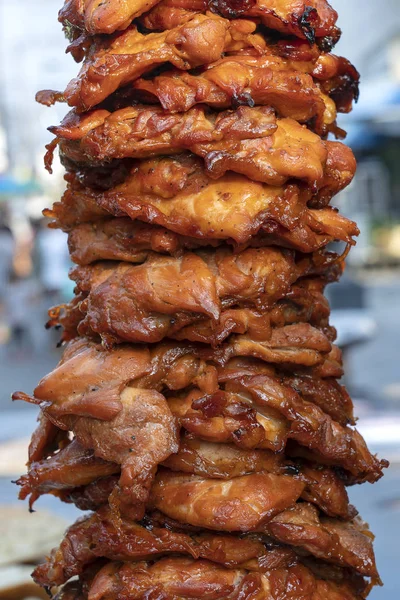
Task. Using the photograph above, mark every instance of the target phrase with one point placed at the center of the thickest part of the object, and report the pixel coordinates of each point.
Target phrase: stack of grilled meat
(197, 409)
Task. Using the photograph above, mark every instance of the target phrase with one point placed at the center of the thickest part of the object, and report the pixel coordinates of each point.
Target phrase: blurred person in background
(7, 247)
(22, 295)
(53, 261)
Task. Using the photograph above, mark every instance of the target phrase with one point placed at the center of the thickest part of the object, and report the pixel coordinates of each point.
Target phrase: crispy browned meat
(168, 297)
(310, 427)
(95, 16)
(87, 373)
(299, 306)
(234, 81)
(181, 579)
(119, 60)
(224, 461)
(316, 20)
(95, 495)
(244, 415)
(242, 503)
(249, 141)
(73, 466)
(342, 84)
(178, 195)
(243, 80)
(102, 16)
(302, 90)
(346, 544)
(327, 393)
(237, 505)
(97, 536)
(88, 394)
(120, 238)
(70, 398)
(45, 439)
(246, 220)
(197, 408)
(296, 344)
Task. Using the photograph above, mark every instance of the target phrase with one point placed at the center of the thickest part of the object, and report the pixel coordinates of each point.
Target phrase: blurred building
(371, 40)
(32, 49)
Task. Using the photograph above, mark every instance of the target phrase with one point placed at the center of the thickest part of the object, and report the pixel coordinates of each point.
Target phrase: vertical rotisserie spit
(197, 410)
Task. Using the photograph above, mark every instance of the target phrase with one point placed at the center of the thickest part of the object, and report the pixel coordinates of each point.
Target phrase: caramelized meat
(113, 62)
(179, 578)
(98, 536)
(165, 296)
(70, 398)
(176, 578)
(307, 91)
(73, 466)
(190, 204)
(237, 504)
(346, 544)
(99, 16)
(45, 439)
(249, 141)
(123, 239)
(224, 505)
(225, 461)
(95, 402)
(293, 18)
(313, 428)
(197, 408)
(243, 80)
(316, 20)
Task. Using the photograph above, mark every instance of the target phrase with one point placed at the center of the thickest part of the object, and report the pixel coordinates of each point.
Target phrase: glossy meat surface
(181, 579)
(177, 195)
(251, 422)
(97, 535)
(99, 16)
(121, 238)
(243, 80)
(252, 410)
(302, 90)
(346, 544)
(73, 473)
(166, 297)
(236, 503)
(288, 17)
(225, 461)
(300, 306)
(311, 427)
(119, 60)
(291, 18)
(239, 504)
(249, 141)
(73, 466)
(131, 427)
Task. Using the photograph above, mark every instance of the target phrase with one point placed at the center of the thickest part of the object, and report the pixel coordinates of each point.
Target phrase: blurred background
(34, 260)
